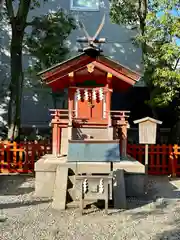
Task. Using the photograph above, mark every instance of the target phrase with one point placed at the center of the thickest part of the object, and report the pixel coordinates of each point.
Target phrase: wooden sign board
(147, 130)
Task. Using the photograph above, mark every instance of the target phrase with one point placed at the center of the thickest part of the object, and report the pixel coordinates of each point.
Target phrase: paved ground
(24, 217)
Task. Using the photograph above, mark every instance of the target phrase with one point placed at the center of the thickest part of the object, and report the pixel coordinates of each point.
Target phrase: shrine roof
(77, 63)
(116, 63)
(59, 64)
(147, 119)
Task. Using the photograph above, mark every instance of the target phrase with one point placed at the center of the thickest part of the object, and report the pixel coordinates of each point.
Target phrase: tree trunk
(18, 25)
(15, 88)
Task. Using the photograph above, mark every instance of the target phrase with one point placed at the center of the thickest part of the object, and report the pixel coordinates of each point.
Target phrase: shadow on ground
(168, 235)
(16, 184)
(160, 191)
(23, 204)
(172, 234)
(2, 220)
(158, 187)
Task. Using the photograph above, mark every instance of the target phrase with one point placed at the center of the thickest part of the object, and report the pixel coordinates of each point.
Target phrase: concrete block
(134, 183)
(110, 133)
(47, 163)
(45, 171)
(129, 166)
(119, 191)
(90, 167)
(64, 141)
(60, 188)
(44, 184)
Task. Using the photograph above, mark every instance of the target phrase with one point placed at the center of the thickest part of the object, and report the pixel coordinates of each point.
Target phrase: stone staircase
(64, 189)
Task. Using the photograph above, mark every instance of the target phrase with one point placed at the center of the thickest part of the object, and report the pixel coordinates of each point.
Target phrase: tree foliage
(162, 34)
(128, 12)
(1, 3)
(47, 41)
(158, 25)
(42, 44)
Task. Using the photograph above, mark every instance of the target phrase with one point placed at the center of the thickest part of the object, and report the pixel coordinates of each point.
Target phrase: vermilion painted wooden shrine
(90, 78)
(88, 138)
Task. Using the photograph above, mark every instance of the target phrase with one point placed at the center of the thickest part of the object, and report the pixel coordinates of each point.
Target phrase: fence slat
(21, 157)
(163, 159)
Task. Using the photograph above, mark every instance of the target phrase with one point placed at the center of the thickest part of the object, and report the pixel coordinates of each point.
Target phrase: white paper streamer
(86, 94)
(101, 95)
(78, 94)
(94, 94)
(101, 186)
(85, 186)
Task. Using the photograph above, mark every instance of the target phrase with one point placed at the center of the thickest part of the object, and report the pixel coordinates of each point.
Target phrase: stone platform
(54, 173)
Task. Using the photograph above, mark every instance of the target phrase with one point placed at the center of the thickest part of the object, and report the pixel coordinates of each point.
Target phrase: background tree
(17, 15)
(18, 21)
(162, 60)
(1, 3)
(158, 25)
(130, 13)
(47, 43)
(133, 13)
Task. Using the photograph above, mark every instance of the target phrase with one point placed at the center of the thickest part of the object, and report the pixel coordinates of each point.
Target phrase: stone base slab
(45, 174)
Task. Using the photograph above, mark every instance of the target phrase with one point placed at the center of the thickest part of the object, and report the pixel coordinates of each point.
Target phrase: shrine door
(90, 104)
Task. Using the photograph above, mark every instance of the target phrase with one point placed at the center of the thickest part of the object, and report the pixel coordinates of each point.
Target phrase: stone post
(124, 141)
(70, 126)
(110, 127)
(56, 134)
(124, 127)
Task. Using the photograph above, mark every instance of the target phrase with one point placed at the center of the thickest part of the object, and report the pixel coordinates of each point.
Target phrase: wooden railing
(62, 114)
(65, 116)
(20, 157)
(119, 117)
(163, 159)
(119, 114)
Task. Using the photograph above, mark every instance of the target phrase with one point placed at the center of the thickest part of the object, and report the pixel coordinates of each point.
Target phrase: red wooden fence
(163, 159)
(20, 157)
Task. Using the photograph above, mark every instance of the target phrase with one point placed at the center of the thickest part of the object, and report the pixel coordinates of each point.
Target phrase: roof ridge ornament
(93, 43)
(90, 67)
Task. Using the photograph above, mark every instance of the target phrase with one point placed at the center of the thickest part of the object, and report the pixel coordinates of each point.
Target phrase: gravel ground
(24, 217)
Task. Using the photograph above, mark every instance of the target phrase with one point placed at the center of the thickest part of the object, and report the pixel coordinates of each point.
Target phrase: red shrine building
(90, 79)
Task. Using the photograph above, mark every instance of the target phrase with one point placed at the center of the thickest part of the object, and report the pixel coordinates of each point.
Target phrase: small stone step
(72, 179)
(71, 192)
(74, 204)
